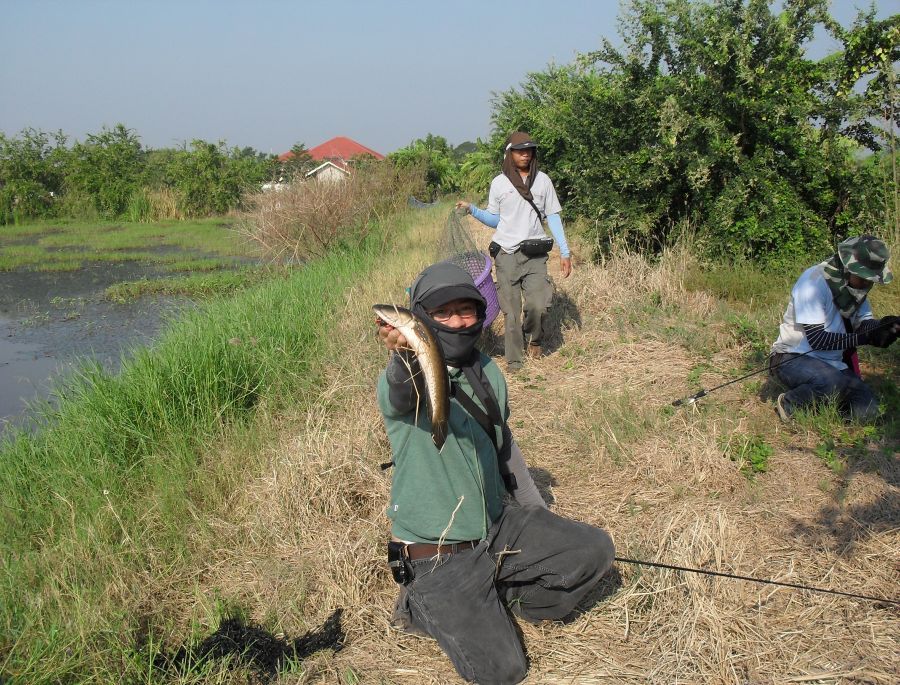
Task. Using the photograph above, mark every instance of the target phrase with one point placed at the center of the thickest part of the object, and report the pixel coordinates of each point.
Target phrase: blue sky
(271, 73)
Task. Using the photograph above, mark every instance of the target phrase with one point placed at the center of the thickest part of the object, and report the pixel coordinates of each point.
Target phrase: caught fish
(431, 361)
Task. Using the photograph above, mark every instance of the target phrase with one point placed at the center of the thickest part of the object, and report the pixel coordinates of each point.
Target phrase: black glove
(886, 332)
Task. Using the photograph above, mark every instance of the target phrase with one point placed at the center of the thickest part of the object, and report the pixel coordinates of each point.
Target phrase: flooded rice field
(51, 320)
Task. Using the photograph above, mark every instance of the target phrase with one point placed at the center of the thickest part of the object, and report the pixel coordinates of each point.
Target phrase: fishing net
(413, 201)
(458, 247)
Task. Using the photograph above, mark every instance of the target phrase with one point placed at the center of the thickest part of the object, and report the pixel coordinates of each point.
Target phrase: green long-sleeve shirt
(461, 483)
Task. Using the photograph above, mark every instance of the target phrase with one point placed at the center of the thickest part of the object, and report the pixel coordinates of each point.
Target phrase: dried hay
(308, 536)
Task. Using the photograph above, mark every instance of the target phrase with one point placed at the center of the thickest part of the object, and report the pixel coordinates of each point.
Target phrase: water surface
(51, 320)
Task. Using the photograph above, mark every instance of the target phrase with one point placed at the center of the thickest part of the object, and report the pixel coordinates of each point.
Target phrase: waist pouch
(536, 247)
(494, 249)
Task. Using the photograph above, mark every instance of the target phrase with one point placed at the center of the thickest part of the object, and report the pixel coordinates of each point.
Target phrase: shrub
(308, 219)
(210, 179)
(106, 168)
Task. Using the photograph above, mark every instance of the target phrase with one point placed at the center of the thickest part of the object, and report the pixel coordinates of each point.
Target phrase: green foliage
(843, 445)
(110, 175)
(712, 116)
(210, 179)
(107, 168)
(31, 174)
(479, 167)
(750, 452)
(296, 166)
(437, 161)
(752, 332)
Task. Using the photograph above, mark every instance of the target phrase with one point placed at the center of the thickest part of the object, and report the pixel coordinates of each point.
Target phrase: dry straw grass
(307, 536)
(308, 218)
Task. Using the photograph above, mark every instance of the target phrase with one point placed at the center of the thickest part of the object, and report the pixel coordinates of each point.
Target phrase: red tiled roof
(336, 149)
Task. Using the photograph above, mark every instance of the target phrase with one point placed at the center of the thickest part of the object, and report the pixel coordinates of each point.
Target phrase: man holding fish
(463, 553)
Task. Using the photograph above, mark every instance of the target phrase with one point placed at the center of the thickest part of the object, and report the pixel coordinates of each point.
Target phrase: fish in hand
(431, 360)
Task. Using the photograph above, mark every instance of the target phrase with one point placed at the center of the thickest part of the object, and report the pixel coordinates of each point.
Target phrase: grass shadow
(609, 585)
(244, 644)
(851, 449)
(563, 313)
(840, 527)
(544, 481)
(770, 389)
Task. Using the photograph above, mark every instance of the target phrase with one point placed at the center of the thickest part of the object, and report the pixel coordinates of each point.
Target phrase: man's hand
(886, 333)
(462, 204)
(392, 338)
(565, 266)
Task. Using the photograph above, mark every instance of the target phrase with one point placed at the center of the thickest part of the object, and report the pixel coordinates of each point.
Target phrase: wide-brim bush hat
(867, 257)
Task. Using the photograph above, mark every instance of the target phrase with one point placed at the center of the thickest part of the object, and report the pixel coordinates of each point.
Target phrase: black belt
(423, 550)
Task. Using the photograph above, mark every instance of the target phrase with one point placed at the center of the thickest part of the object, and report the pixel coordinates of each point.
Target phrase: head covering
(439, 284)
(519, 140)
(864, 256)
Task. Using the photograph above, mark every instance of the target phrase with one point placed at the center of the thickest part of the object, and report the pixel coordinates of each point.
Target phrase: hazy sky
(270, 73)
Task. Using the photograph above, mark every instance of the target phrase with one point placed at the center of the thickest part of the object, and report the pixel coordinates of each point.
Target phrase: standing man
(827, 318)
(520, 198)
(464, 555)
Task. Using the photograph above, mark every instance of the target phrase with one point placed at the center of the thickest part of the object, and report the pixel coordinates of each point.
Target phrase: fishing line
(758, 580)
(768, 367)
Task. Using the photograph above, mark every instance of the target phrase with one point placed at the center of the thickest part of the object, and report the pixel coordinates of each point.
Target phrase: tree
(211, 179)
(479, 167)
(711, 115)
(296, 166)
(106, 169)
(32, 168)
(434, 157)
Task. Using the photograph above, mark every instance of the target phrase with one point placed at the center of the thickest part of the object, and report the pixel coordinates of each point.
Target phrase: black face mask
(458, 344)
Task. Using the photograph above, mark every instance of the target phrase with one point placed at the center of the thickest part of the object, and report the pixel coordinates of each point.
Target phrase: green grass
(68, 245)
(110, 483)
(744, 284)
(750, 452)
(209, 250)
(196, 285)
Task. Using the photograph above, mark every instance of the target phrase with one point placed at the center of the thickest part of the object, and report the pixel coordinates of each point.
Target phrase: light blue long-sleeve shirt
(554, 222)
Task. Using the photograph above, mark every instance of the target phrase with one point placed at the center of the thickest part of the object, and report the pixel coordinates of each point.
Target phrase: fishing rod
(703, 393)
(768, 367)
(797, 586)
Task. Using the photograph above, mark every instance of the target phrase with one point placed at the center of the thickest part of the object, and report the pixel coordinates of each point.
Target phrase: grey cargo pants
(519, 275)
(461, 599)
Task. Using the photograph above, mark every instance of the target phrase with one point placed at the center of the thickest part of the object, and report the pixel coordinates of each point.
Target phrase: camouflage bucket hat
(866, 256)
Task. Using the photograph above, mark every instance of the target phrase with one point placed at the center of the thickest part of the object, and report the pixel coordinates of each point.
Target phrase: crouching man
(827, 318)
(465, 557)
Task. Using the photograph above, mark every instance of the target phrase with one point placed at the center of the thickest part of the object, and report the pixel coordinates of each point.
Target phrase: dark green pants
(522, 278)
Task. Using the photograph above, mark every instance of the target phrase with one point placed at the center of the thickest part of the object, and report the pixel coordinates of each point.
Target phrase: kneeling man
(827, 318)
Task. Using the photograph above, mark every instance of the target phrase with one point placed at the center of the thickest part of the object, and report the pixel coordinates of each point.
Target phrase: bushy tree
(296, 166)
(711, 115)
(434, 156)
(32, 169)
(478, 167)
(210, 179)
(106, 169)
